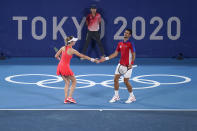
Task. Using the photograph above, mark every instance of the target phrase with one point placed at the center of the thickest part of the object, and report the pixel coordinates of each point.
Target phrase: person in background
(93, 21)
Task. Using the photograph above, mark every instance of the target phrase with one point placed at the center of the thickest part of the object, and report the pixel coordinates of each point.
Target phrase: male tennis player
(127, 50)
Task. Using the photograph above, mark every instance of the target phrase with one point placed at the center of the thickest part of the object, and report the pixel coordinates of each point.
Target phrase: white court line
(98, 110)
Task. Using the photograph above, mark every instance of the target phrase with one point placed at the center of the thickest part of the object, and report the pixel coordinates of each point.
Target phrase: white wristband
(92, 59)
(106, 58)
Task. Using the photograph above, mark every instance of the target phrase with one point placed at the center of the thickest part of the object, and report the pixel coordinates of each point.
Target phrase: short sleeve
(87, 18)
(132, 47)
(99, 18)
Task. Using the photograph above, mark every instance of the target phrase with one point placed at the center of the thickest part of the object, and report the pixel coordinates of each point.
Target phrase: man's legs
(130, 90)
(96, 37)
(116, 88)
(128, 85)
(88, 40)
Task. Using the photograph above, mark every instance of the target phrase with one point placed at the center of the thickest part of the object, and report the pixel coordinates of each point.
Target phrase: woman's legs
(68, 97)
(67, 83)
(74, 82)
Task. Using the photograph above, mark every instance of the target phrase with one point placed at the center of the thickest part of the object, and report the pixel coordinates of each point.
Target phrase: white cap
(73, 39)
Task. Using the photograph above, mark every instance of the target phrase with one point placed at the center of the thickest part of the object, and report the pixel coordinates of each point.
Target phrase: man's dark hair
(129, 30)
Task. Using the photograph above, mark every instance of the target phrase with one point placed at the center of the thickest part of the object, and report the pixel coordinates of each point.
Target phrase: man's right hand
(102, 59)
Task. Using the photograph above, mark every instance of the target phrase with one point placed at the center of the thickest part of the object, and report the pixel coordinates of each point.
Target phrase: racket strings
(122, 69)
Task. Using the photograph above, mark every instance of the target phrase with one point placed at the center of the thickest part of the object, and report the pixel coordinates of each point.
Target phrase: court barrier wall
(160, 28)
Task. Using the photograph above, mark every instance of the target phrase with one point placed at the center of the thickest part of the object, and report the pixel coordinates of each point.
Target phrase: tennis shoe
(71, 100)
(114, 99)
(130, 99)
(66, 101)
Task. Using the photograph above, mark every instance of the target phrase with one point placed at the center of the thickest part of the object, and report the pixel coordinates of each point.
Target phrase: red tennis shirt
(126, 49)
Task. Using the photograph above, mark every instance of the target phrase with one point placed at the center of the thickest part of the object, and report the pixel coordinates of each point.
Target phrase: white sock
(131, 94)
(116, 93)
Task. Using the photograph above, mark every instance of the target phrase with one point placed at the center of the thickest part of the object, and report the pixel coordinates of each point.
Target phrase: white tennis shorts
(126, 75)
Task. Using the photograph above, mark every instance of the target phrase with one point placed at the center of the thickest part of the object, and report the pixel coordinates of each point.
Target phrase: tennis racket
(123, 69)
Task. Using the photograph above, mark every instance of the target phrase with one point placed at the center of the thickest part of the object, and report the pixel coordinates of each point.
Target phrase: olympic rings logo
(90, 83)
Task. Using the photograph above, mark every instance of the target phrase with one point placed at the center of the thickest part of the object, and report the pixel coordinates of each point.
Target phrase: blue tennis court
(31, 92)
(32, 83)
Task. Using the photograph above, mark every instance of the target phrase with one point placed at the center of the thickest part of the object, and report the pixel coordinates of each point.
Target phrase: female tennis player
(63, 67)
(127, 50)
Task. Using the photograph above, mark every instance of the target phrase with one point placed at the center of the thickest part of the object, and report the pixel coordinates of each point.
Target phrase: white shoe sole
(114, 101)
(128, 102)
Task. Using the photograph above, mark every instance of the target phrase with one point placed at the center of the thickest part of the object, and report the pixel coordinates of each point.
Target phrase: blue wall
(164, 28)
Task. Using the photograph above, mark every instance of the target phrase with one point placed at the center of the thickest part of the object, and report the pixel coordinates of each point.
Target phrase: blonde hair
(67, 39)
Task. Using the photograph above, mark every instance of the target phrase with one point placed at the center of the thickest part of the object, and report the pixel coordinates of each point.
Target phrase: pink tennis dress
(63, 67)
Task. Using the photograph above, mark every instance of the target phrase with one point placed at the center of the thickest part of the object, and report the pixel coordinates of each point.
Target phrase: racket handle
(56, 50)
(134, 65)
